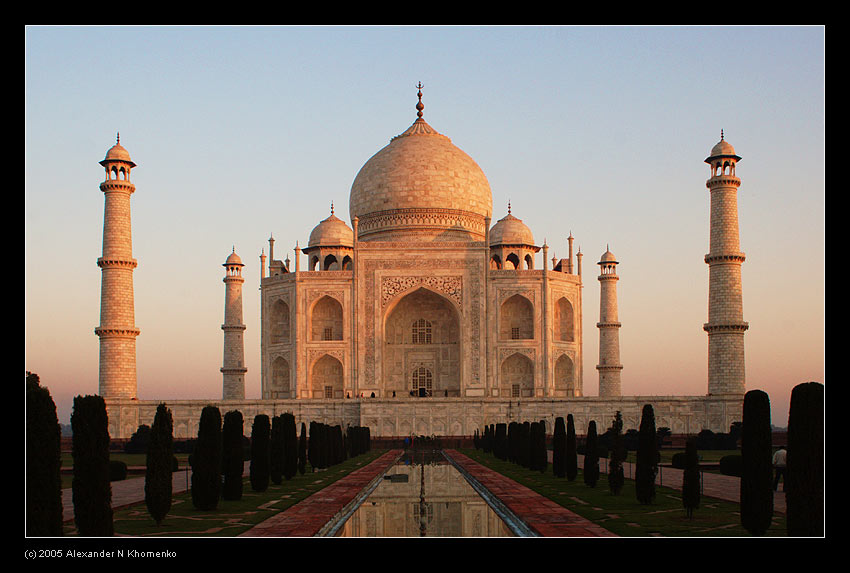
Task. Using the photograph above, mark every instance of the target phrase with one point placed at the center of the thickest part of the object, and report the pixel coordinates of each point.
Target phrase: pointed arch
(565, 384)
(564, 320)
(516, 376)
(516, 319)
(280, 322)
(326, 319)
(326, 378)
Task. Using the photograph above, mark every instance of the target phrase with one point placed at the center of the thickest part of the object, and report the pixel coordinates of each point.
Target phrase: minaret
(117, 330)
(233, 368)
(609, 366)
(725, 326)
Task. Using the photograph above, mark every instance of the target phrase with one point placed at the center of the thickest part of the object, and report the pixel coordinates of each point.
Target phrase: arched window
(326, 320)
(422, 378)
(495, 262)
(280, 322)
(331, 264)
(512, 261)
(421, 332)
(517, 319)
(564, 319)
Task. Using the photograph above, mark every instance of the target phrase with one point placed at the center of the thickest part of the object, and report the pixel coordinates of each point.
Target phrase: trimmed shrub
(260, 452)
(571, 459)
(302, 449)
(591, 456)
(646, 465)
(117, 470)
(206, 461)
(690, 478)
(500, 441)
(756, 468)
(731, 465)
(92, 493)
(159, 465)
(290, 445)
(679, 459)
(805, 469)
(616, 477)
(559, 448)
(138, 442)
(232, 462)
(43, 478)
(277, 451)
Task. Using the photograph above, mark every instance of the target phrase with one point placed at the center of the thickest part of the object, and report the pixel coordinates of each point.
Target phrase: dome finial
(332, 207)
(117, 138)
(419, 106)
(721, 134)
(509, 206)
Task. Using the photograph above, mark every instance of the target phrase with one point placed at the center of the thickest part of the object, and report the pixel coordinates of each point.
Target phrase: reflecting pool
(423, 495)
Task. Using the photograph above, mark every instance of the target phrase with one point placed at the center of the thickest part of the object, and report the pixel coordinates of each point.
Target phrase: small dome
(608, 257)
(722, 149)
(511, 231)
(332, 232)
(233, 259)
(118, 153)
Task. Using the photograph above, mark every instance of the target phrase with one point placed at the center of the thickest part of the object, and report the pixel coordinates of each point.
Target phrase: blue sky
(244, 132)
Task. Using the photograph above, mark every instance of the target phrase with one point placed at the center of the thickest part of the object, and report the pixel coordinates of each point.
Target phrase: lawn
(231, 518)
(622, 514)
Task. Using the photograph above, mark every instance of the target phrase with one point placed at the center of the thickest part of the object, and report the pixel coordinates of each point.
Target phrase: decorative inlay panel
(393, 286)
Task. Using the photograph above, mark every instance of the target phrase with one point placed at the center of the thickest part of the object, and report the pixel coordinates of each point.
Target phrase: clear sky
(240, 133)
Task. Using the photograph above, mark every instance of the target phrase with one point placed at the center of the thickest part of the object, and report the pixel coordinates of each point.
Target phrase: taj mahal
(423, 313)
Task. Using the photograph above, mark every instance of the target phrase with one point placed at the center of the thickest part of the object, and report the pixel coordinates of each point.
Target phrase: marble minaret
(117, 330)
(609, 366)
(725, 326)
(233, 367)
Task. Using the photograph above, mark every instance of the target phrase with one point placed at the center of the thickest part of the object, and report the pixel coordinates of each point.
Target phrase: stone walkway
(307, 517)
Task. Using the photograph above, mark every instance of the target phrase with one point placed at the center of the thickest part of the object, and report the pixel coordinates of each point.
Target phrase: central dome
(420, 187)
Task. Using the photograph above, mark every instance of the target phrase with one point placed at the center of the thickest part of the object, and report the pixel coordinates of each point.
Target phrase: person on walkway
(779, 467)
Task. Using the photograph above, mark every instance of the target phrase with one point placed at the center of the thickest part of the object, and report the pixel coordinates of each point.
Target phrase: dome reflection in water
(423, 495)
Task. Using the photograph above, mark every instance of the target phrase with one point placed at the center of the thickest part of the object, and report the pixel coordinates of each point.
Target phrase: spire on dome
(419, 106)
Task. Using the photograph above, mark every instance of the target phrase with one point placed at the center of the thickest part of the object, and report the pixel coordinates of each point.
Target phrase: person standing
(779, 468)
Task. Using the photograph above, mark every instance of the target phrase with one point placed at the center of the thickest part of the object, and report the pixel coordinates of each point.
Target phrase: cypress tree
(616, 479)
(757, 470)
(591, 456)
(646, 466)
(571, 460)
(232, 457)
(805, 470)
(691, 478)
(158, 465)
(525, 445)
(290, 445)
(540, 453)
(277, 451)
(43, 470)
(559, 448)
(260, 452)
(302, 449)
(206, 460)
(92, 492)
(500, 442)
(313, 446)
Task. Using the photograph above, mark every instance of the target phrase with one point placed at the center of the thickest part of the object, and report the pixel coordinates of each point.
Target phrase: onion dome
(420, 185)
(722, 149)
(233, 259)
(510, 231)
(118, 153)
(607, 256)
(332, 232)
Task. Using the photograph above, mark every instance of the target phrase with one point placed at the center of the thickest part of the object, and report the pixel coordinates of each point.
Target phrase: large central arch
(422, 333)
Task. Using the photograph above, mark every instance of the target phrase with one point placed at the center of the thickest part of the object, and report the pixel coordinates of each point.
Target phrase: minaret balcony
(730, 257)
